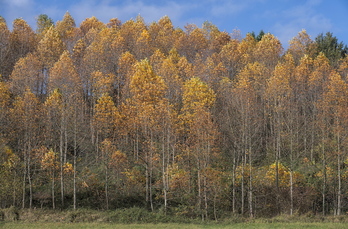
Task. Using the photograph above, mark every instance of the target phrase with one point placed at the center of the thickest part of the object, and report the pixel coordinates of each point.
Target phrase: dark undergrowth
(141, 215)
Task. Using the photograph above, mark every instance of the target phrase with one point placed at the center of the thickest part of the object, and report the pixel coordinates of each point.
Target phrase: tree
(150, 109)
(259, 36)
(70, 90)
(68, 32)
(27, 73)
(200, 133)
(91, 23)
(43, 23)
(332, 49)
(49, 49)
(106, 117)
(23, 40)
(162, 36)
(4, 48)
(335, 106)
(231, 58)
(27, 111)
(279, 95)
(49, 161)
(301, 45)
(268, 50)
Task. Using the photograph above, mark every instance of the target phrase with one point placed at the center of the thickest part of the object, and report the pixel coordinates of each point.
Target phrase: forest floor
(141, 218)
(39, 225)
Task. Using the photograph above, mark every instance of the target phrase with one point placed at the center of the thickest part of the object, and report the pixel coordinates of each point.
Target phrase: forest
(190, 121)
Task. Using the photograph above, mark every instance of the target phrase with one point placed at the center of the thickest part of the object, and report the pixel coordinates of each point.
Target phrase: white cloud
(17, 3)
(300, 17)
(228, 8)
(105, 10)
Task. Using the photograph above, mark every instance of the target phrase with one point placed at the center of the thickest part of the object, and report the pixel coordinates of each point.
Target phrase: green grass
(19, 225)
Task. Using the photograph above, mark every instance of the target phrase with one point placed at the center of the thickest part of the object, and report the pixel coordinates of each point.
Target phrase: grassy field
(15, 225)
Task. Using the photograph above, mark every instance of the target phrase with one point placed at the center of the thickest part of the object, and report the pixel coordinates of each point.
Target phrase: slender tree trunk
(324, 174)
(52, 190)
(150, 170)
(205, 196)
(30, 184)
(24, 179)
(106, 186)
(242, 186)
(234, 183)
(164, 174)
(251, 213)
(75, 155)
(339, 194)
(291, 176)
(61, 146)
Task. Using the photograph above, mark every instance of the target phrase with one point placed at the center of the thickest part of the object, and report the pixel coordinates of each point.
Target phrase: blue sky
(283, 18)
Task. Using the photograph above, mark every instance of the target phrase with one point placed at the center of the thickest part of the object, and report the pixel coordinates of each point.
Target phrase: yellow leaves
(301, 45)
(50, 48)
(103, 83)
(118, 159)
(54, 101)
(278, 86)
(178, 177)
(147, 87)
(143, 49)
(106, 115)
(10, 158)
(4, 94)
(50, 160)
(267, 175)
(91, 23)
(65, 26)
(68, 168)
(321, 71)
(27, 73)
(135, 176)
(252, 78)
(304, 69)
(283, 175)
(268, 50)
(197, 94)
(337, 93)
(64, 76)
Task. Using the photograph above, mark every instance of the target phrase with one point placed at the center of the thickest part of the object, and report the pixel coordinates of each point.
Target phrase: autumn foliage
(194, 122)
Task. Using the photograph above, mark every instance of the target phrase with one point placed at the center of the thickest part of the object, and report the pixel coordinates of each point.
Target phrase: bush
(10, 214)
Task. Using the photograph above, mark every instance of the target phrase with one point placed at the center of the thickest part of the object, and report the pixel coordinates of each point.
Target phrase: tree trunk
(324, 174)
(75, 155)
(106, 186)
(61, 145)
(251, 213)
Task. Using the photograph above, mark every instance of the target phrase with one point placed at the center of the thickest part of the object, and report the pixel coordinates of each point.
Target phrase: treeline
(194, 122)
